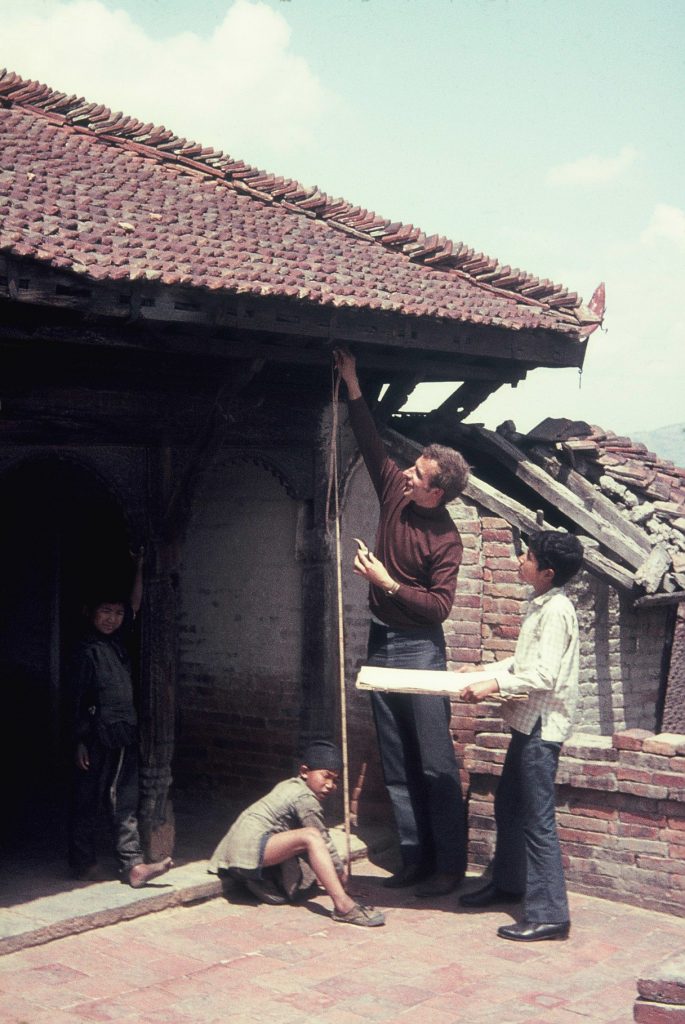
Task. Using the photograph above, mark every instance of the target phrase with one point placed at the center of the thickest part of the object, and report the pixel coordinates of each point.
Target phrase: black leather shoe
(487, 896)
(529, 931)
(410, 874)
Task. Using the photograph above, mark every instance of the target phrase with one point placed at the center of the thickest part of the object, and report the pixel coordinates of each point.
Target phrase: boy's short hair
(557, 550)
(453, 470)
(105, 596)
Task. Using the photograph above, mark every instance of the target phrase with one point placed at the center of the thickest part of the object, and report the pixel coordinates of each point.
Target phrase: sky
(546, 133)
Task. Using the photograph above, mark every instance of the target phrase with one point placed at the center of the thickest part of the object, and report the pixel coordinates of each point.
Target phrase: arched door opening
(63, 534)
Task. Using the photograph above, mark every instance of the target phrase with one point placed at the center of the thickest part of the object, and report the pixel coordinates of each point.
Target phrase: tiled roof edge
(436, 252)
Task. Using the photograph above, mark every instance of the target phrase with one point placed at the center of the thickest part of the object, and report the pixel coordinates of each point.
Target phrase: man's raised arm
(362, 422)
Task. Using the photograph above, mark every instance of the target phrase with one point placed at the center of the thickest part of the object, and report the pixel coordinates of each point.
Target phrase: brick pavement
(224, 960)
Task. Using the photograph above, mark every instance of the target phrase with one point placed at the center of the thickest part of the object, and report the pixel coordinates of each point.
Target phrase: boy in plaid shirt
(543, 671)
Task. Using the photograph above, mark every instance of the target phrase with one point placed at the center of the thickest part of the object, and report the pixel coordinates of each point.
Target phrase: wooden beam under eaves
(397, 393)
(469, 396)
(28, 282)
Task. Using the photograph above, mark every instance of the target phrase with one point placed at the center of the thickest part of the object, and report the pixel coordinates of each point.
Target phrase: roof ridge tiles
(436, 252)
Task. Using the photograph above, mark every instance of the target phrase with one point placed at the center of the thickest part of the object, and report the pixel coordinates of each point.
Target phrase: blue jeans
(417, 754)
(528, 855)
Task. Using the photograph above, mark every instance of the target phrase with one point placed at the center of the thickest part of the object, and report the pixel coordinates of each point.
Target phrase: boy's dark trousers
(417, 754)
(528, 855)
(112, 777)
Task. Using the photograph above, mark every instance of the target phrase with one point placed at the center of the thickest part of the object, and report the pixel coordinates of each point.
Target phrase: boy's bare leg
(141, 874)
(285, 845)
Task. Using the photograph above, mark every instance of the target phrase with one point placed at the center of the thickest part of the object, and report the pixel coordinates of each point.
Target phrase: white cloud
(234, 89)
(593, 170)
(667, 223)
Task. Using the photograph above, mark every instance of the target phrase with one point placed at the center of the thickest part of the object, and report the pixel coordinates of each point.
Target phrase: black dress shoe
(488, 895)
(410, 874)
(529, 931)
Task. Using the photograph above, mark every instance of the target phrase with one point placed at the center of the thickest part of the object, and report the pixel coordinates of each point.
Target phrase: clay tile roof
(87, 189)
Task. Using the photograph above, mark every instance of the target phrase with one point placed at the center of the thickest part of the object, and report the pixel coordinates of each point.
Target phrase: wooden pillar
(158, 714)
(317, 713)
(319, 709)
(159, 656)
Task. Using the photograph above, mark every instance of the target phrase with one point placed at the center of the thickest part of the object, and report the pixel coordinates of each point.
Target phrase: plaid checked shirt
(545, 667)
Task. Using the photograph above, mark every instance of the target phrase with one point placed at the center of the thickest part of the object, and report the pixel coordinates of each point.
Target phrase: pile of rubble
(649, 490)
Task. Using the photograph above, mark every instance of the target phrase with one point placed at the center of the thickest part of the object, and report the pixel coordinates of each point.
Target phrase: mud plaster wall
(240, 629)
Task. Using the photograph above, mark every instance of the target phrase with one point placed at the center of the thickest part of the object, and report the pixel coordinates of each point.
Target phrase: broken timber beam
(656, 600)
(528, 522)
(560, 497)
(591, 496)
(517, 515)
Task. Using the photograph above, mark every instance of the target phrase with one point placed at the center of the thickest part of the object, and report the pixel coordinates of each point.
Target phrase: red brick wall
(620, 647)
(240, 629)
(620, 812)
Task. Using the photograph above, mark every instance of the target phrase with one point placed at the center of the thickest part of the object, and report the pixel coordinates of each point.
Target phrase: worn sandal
(367, 917)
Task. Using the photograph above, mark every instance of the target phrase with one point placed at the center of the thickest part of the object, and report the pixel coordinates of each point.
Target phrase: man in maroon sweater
(412, 577)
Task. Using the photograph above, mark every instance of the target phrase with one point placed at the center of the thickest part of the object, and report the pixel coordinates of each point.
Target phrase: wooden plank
(423, 681)
(591, 522)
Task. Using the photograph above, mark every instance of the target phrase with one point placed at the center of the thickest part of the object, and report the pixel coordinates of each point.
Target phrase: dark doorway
(63, 533)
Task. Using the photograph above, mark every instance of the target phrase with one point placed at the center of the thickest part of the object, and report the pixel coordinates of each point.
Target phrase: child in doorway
(279, 846)
(544, 670)
(105, 739)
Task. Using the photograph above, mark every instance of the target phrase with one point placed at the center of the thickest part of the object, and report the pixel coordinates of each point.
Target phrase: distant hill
(666, 442)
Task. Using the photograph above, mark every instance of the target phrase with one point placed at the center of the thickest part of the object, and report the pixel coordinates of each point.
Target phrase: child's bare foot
(141, 874)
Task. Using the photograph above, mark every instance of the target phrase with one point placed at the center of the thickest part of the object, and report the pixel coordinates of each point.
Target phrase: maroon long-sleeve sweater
(420, 548)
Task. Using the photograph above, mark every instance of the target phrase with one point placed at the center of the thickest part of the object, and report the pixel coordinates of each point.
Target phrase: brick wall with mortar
(674, 709)
(620, 801)
(620, 648)
(239, 633)
(620, 811)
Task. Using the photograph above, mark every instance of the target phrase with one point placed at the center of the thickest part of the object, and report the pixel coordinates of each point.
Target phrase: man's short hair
(557, 550)
(453, 470)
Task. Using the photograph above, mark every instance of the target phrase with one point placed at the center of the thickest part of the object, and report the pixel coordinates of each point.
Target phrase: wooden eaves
(392, 348)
